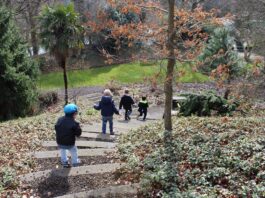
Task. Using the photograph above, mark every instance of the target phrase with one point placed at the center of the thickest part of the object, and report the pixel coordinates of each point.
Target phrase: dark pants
(127, 114)
(143, 112)
(104, 124)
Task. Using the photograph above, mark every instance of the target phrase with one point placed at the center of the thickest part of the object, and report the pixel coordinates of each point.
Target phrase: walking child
(126, 103)
(143, 106)
(67, 129)
(107, 107)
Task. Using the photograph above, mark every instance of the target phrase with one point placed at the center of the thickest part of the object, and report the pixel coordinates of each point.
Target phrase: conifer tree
(220, 50)
(220, 57)
(18, 73)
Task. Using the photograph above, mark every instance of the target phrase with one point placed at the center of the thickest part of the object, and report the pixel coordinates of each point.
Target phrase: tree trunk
(65, 81)
(227, 89)
(33, 8)
(34, 41)
(170, 68)
(247, 55)
(226, 94)
(33, 33)
(171, 176)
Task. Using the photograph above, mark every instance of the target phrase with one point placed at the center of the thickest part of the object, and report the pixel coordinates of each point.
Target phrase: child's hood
(106, 99)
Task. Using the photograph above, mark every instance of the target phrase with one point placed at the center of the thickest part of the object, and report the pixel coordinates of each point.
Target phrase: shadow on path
(53, 185)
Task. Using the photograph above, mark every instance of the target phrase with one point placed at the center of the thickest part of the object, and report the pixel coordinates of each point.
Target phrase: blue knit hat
(70, 109)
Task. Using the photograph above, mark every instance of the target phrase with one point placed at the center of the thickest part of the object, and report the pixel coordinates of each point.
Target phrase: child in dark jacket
(126, 103)
(107, 107)
(143, 106)
(66, 130)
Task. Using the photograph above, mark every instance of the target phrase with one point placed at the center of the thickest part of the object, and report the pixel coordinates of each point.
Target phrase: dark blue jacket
(66, 130)
(107, 106)
(126, 102)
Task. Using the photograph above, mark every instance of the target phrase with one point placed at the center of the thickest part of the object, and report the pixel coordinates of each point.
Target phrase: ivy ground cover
(214, 157)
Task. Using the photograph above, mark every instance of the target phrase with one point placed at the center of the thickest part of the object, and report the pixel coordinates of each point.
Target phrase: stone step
(74, 171)
(81, 153)
(120, 125)
(99, 136)
(112, 191)
(90, 144)
(96, 128)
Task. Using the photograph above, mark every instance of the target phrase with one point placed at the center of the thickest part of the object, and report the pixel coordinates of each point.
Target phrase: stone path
(91, 144)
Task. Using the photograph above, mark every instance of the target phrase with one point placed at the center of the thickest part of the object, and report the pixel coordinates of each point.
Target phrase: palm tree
(60, 32)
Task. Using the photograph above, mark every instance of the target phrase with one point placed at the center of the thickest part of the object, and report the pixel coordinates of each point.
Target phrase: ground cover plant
(214, 157)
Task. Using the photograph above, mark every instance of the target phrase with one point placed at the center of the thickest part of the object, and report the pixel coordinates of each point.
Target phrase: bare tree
(26, 12)
(31, 13)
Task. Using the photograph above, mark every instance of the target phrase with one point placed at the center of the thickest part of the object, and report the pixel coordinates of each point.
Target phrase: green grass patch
(123, 73)
(189, 75)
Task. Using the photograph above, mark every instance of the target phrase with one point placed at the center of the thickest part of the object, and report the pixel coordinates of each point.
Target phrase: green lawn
(190, 76)
(123, 73)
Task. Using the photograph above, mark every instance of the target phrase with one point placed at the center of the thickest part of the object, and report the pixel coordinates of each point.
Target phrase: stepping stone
(112, 191)
(81, 153)
(74, 171)
(90, 144)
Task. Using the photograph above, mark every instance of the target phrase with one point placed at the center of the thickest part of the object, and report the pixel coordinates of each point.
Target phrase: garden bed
(213, 157)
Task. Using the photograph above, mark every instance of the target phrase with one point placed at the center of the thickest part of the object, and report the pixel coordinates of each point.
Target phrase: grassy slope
(124, 73)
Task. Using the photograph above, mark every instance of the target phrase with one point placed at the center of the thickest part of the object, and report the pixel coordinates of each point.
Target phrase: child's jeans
(72, 150)
(106, 119)
(128, 112)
